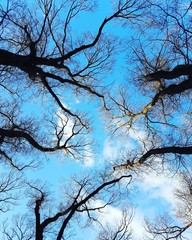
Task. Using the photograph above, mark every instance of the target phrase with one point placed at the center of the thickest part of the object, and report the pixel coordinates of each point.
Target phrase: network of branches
(54, 76)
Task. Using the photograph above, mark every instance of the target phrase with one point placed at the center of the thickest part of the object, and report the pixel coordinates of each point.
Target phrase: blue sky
(153, 193)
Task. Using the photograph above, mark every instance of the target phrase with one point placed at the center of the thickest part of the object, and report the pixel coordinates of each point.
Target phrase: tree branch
(178, 71)
(156, 151)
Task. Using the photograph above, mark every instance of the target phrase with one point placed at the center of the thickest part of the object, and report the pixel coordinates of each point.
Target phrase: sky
(151, 193)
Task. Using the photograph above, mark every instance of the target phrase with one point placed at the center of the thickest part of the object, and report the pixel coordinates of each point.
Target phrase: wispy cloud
(110, 215)
(136, 225)
(66, 123)
(160, 186)
(88, 160)
(115, 147)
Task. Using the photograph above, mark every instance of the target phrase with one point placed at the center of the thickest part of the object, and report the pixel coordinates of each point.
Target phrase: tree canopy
(66, 86)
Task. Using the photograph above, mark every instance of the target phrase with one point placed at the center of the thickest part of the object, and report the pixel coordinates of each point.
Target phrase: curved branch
(75, 205)
(29, 139)
(74, 83)
(178, 71)
(118, 14)
(2, 153)
(156, 151)
(173, 89)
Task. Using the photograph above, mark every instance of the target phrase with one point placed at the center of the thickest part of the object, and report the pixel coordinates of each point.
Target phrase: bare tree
(159, 61)
(161, 71)
(51, 219)
(46, 63)
(10, 185)
(166, 227)
(20, 227)
(122, 230)
(43, 58)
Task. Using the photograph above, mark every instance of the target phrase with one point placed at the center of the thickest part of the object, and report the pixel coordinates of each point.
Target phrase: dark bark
(165, 150)
(70, 211)
(156, 151)
(178, 71)
(23, 135)
(173, 89)
(39, 229)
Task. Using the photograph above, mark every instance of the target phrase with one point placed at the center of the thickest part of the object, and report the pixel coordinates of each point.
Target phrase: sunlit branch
(156, 151)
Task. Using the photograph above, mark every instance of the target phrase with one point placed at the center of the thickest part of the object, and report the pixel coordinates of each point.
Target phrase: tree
(166, 227)
(80, 199)
(162, 74)
(10, 184)
(47, 62)
(42, 60)
(161, 70)
(122, 230)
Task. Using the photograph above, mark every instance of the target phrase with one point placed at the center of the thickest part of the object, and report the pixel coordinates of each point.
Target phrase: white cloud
(136, 225)
(140, 138)
(89, 162)
(115, 147)
(67, 125)
(110, 149)
(112, 216)
(160, 186)
(138, 135)
(66, 122)
(89, 157)
(109, 215)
